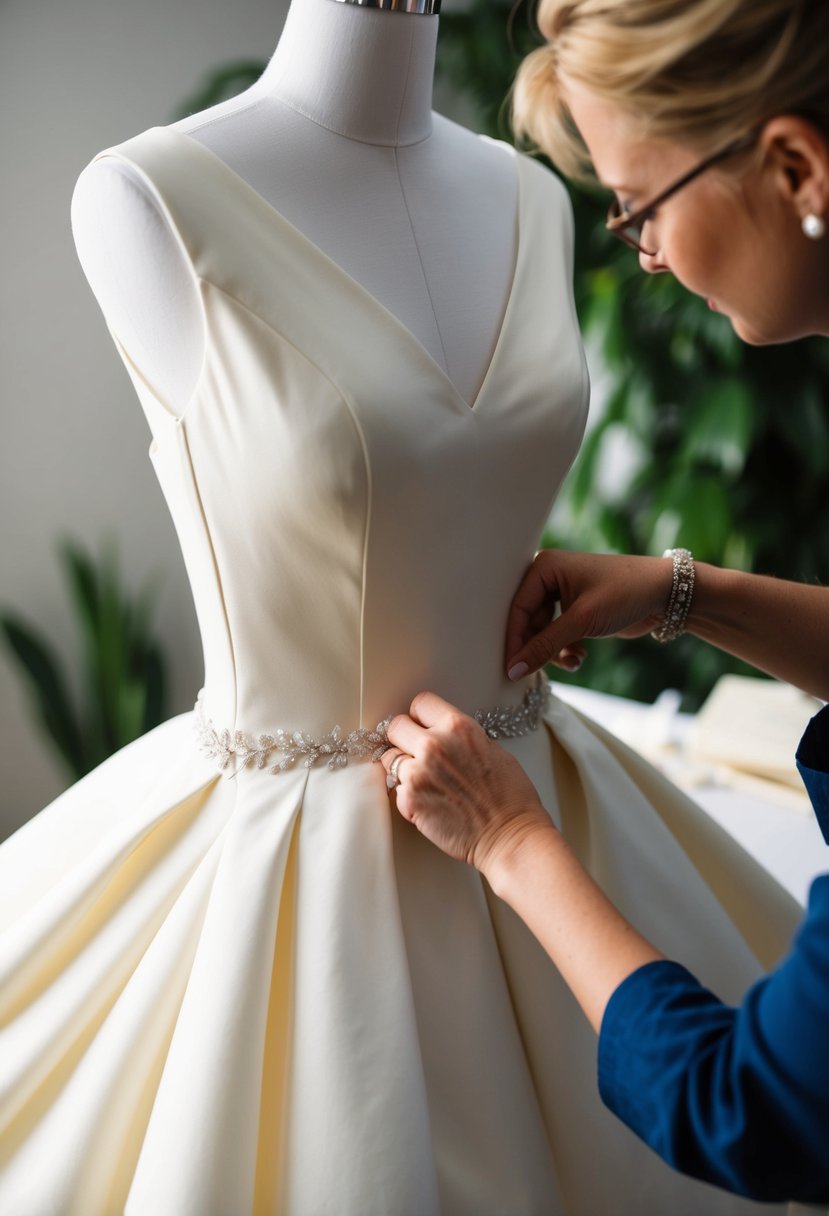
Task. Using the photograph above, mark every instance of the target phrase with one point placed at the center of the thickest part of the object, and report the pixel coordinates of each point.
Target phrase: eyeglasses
(628, 225)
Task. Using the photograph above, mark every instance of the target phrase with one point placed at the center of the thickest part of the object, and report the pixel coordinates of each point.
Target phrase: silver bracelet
(679, 601)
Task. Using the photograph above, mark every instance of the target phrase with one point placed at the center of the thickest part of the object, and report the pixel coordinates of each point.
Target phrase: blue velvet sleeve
(738, 1097)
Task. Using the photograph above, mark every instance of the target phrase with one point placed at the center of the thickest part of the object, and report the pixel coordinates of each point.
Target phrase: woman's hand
(599, 595)
(473, 800)
(461, 790)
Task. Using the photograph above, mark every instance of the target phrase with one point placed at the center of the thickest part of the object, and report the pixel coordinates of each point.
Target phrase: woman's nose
(653, 263)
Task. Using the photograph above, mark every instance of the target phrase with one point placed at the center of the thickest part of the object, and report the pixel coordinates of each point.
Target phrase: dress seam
(345, 399)
(217, 572)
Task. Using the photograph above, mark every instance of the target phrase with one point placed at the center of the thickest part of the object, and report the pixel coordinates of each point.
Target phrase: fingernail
(519, 670)
(573, 664)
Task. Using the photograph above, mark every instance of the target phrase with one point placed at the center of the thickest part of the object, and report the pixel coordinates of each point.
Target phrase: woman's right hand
(599, 596)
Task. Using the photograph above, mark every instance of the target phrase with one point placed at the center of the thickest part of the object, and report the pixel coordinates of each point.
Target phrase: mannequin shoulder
(547, 181)
(112, 193)
(139, 274)
(136, 268)
(115, 213)
(552, 197)
(501, 157)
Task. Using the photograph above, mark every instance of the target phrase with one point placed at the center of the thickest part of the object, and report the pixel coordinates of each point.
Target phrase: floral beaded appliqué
(225, 747)
(519, 719)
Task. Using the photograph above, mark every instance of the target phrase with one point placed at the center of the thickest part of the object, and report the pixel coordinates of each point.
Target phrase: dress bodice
(353, 529)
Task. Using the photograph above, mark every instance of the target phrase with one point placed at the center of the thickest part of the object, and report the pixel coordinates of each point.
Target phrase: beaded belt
(336, 748)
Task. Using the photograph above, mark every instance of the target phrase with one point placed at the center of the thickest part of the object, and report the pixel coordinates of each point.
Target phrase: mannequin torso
(338, 136)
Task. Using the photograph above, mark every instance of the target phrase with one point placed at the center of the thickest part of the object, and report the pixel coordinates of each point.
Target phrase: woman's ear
(797, 156)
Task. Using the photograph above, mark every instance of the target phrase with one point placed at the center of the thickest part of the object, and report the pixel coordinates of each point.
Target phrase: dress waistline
(238, 750)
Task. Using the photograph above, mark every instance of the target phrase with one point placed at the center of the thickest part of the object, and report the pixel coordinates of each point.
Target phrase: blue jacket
(738, 1097)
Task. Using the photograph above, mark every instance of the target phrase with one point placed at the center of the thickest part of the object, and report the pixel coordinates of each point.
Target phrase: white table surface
(777, 828)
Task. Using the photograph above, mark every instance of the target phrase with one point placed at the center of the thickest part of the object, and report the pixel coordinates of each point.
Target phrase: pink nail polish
(519, 670)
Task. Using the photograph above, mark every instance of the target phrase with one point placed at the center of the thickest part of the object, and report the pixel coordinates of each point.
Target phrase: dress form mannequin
(338, 135)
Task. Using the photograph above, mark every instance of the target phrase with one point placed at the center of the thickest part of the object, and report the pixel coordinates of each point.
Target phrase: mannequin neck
(364, 73)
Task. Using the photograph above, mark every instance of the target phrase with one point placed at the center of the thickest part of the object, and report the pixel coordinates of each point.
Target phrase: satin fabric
(228, 995)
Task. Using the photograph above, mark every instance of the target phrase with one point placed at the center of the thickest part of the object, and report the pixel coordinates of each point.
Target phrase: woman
(710, 122)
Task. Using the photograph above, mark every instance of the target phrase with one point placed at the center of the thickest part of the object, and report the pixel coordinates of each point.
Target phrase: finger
(389, 756)
(394, 762)
(516, 641)
(406, 734)
(539, 584)
(558, 636)
(431, 710)
(532, 604)
(527, 605)
(570, 658)
(542, 618)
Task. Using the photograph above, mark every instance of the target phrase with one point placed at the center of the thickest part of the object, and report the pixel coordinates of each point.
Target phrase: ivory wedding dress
(227, 990)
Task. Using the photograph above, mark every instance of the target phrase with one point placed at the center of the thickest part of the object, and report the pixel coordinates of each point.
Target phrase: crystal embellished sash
(226, 747)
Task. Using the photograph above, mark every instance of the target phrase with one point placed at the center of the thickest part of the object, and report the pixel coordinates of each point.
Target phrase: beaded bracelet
(679, 601)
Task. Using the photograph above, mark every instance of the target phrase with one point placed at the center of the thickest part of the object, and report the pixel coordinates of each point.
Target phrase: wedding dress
(233, 980)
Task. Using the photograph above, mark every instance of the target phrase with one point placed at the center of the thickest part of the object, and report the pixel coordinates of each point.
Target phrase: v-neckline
(334, 268)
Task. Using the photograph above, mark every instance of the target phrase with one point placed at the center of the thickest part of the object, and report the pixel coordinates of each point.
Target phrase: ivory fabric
(223, 995)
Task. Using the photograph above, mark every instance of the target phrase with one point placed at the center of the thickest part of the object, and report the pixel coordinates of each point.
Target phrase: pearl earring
(813, 227)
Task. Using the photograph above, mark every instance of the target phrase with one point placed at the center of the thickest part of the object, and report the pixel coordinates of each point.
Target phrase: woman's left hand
(459, 788)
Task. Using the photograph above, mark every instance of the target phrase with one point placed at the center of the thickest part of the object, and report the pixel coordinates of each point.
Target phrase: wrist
(715, 593)
(511, 849)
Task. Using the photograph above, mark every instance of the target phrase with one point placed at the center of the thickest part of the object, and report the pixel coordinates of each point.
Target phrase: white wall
(74, 78)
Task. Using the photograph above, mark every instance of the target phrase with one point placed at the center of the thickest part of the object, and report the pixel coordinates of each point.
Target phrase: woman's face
(732, 235)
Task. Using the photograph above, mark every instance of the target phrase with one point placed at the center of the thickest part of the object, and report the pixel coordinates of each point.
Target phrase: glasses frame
(619, 220)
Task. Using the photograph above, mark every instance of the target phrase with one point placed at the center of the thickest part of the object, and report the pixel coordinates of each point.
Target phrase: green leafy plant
(123, 673)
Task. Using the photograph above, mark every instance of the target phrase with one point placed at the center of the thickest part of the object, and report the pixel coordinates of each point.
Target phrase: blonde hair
(701, 72)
